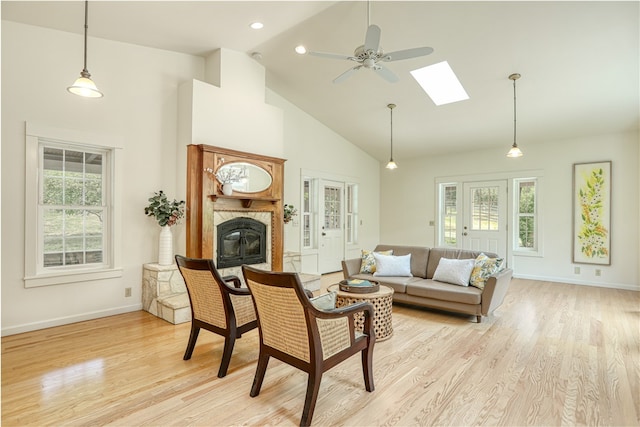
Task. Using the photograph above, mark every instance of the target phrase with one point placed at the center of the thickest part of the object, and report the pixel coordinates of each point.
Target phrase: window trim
(34, 277)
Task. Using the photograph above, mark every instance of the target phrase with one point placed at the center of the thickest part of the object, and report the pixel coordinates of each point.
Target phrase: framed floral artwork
(592, 213)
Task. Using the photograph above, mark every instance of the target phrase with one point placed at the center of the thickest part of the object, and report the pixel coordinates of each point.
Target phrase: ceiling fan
(370, 55)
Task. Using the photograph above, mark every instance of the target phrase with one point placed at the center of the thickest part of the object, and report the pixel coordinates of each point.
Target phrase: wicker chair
(216, 306)
(295, 332)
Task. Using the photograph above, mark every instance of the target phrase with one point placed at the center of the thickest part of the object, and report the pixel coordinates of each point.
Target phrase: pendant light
(84, 86)
(391, 165)
(515, 151)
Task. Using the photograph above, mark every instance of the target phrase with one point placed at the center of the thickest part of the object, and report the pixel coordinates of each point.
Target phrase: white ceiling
(579, 62)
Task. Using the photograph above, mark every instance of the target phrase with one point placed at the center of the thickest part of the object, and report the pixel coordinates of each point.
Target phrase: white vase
(165, 246)
(227, 189)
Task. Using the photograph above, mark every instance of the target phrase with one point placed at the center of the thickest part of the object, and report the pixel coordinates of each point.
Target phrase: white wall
(555, 159)
(309, 145)
(140, 106)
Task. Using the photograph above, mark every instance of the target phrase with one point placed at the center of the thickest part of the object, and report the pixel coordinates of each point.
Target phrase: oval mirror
(246, 177)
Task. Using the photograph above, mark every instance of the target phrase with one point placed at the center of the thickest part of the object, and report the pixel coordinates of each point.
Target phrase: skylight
(440, 83)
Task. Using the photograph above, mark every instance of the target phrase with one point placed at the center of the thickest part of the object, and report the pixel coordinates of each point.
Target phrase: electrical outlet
(598, 272)
(432, 223)
(576, 270)
(127, 292)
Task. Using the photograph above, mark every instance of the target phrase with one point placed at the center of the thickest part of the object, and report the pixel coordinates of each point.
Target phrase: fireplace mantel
(204, 197)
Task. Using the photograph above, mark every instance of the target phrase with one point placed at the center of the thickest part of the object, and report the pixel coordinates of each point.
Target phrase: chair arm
(349, 311)
(494, 290)
(351, 267)
(235, 279)
(237, 288)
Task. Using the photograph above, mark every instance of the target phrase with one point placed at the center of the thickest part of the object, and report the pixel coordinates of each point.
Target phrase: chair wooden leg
(313, 386)
(479, 318)
(229, 342)
(367, 367)
(261, 369)
(195, 330)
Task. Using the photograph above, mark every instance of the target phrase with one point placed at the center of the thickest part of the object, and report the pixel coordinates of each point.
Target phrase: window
(70, 211)
(526, 215)
(73, 214)
(352, 214)
(308, 197)
(448, 214)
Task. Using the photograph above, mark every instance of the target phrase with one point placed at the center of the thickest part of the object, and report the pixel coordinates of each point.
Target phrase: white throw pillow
(390, 265)
(454, 271)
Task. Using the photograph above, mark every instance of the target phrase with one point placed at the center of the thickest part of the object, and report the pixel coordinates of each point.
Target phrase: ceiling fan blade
(331, 55)
(344, 76)
(386, 74)
(372, 39)
(407, 54)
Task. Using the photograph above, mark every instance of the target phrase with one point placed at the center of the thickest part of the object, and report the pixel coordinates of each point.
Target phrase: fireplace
(241, 240)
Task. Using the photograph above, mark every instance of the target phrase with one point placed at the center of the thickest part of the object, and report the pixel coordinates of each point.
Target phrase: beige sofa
(421, 290)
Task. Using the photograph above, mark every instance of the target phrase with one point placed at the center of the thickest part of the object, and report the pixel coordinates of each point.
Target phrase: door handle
(324, 234)
(464, 234)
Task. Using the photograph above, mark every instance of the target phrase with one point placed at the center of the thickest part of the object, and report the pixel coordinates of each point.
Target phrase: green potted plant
(289, 212)
(167, 213)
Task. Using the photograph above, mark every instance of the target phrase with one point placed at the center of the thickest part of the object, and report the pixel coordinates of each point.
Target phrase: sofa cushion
(368, 264)
(483, 269)
(419, 257)
(390, 265)
(454, 271)
(436, 253)
(443, 291)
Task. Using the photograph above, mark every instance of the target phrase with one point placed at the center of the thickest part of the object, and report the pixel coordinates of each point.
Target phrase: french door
(331, 227)
(484, 216)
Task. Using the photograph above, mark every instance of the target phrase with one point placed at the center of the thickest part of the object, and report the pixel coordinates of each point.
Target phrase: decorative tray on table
(358, 286)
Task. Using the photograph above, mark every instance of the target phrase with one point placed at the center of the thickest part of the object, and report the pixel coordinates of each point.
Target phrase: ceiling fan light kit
(515, 150)
(84, 86)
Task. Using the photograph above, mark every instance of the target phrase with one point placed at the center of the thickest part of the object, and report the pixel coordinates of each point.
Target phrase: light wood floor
(553, 354)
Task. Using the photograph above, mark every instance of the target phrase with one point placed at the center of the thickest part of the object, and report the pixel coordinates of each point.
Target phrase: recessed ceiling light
(301, 49)
(440, 83)
(257, 25)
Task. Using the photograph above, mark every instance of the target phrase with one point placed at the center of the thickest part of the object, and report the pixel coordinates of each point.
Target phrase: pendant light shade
(514, 151)
(391, 165)
(84, 86)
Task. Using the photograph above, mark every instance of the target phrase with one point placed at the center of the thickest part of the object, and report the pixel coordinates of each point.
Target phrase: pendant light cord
(86, 26)
(514, 111)
(391, 108)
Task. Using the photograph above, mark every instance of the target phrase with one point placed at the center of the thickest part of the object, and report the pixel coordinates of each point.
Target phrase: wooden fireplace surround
(204, 196)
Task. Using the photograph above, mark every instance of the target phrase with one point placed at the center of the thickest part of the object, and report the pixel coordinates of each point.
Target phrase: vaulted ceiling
(579, 62)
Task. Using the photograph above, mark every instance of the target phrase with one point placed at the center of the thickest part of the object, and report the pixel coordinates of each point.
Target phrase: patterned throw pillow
(483, 269)
(368, 261)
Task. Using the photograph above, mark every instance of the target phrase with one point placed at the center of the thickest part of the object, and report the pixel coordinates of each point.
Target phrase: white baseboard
(578, 282)
(27, 327)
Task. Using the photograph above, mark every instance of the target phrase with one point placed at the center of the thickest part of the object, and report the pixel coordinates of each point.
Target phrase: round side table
(382, 302)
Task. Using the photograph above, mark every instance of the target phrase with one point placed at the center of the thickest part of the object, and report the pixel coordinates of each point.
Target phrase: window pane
(484, 208)
(526, 197)
(526, 232)
(332, 205)
(450, 214)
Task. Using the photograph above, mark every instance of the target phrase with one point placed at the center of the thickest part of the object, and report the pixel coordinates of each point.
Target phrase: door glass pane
(332, 208)
(484, 209)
